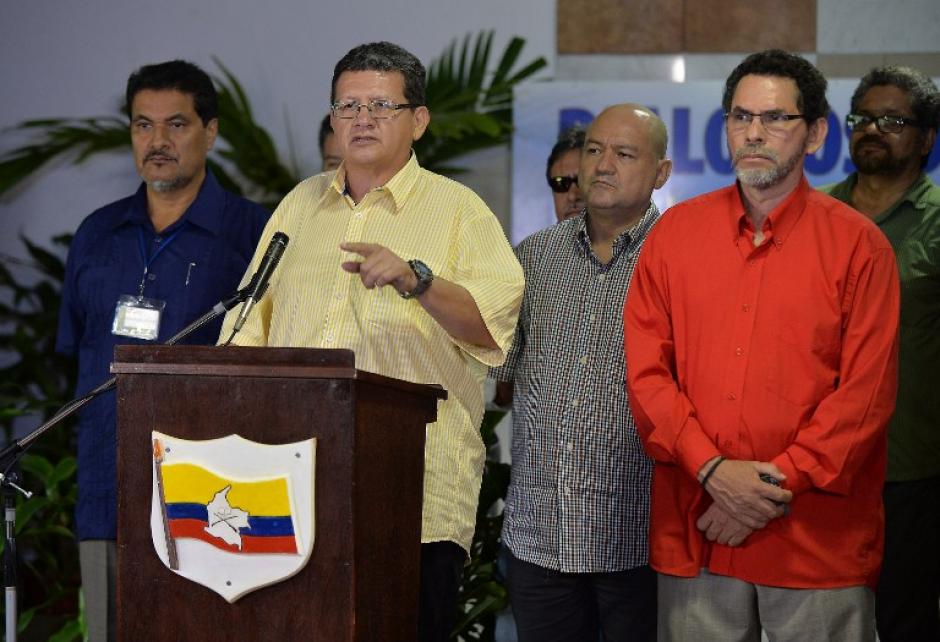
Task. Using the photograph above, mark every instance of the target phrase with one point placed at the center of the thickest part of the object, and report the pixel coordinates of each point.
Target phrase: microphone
(259, 280)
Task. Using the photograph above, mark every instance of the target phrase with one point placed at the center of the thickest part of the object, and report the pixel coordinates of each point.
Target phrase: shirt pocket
(804, 363)
(394, 317)
(99, 288)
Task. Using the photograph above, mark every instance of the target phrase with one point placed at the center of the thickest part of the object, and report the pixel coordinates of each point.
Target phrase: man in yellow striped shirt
(410, 270)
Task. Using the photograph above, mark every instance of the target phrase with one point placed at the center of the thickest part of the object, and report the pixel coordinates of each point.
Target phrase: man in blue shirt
(139, 270)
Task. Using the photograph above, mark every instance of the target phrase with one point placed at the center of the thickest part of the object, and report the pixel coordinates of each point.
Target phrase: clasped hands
(379, 267)
(742, 502)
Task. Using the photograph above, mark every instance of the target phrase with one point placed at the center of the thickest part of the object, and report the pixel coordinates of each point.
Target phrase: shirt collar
(780, 222)
(399, 186)
(205, 211)
(580, 233)
(917, 194)
(630, 238)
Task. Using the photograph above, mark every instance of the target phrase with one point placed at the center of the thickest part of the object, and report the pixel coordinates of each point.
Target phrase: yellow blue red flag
(240, 516)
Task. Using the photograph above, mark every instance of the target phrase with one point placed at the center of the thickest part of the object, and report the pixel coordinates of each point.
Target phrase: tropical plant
(36, 381)
(472, 110)
(482, 594)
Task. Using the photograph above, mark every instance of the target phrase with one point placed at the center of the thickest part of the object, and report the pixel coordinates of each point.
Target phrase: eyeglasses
(561, 184)
(378, 109)
(775, 121)
(885, 124)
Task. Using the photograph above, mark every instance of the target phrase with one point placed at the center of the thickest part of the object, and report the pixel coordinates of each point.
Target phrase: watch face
(424, 275)
(422, 271)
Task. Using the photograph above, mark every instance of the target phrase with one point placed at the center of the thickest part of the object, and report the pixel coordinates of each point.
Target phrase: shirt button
(157, 239)
(583, 360)
(601, 277)
(739, 351)
(745, 307)
(593, 317)
(338, 296)
(329, 337)
(151, 277)
(732, 396)
(570, 447)
(574, 403)
(358, 214)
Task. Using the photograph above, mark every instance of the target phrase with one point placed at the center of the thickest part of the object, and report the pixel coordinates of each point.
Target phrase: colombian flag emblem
(239, 516)
(232, 514)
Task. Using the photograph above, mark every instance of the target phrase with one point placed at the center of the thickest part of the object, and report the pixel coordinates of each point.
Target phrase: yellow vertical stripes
(313, 302)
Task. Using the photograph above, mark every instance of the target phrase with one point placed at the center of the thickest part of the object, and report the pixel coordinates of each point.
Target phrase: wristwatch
(424, 275)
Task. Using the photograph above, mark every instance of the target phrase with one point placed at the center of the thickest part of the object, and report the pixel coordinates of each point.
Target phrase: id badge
(138, 317)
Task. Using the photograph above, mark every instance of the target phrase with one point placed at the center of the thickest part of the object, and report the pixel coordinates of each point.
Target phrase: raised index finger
(362, 249)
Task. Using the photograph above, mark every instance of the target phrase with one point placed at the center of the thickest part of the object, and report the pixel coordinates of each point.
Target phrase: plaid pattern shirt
(579, 497)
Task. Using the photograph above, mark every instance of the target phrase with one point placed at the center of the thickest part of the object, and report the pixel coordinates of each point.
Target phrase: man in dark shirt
(139, 270)
(894, 117)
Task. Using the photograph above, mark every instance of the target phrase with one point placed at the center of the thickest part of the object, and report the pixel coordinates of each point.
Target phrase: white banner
(697, 146)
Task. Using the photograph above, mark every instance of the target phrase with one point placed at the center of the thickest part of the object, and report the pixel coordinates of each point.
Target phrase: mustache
(871, 139)
(158, 154)
(755, 150)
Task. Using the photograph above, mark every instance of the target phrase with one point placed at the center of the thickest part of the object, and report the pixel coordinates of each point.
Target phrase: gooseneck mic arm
(11, 453)
(247, 296)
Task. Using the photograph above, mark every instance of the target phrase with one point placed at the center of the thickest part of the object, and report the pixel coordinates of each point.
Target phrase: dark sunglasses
(561, 184)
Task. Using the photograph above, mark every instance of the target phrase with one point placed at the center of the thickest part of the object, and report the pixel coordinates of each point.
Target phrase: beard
(164, 185)
(169, 185)
(874, 163)
(770, 176)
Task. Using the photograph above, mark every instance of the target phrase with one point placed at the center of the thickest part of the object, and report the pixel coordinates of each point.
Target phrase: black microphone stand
(10, 455)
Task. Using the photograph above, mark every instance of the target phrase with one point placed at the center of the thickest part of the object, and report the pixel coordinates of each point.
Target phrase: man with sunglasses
(761, 346)
(413, 272)
(893, 124)
(562, 173)
(577, 511)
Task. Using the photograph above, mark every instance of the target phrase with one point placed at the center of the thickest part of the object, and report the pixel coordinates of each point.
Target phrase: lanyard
(149, 261)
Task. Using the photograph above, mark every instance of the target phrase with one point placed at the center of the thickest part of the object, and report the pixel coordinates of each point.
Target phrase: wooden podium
(361, 582)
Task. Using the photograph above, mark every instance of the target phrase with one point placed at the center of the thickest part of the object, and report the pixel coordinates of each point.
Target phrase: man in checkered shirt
(577, 512)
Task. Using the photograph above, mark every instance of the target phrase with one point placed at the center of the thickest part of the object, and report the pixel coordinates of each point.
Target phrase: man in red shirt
(761, 344)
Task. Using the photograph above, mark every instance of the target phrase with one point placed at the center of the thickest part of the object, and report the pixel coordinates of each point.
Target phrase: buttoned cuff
(694, 448)
(796, 482)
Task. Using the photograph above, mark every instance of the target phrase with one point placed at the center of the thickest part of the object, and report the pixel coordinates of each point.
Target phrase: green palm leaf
(470, 108)
(83, 137)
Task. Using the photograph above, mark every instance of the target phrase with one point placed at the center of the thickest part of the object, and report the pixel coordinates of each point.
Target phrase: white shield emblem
(232, 514)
